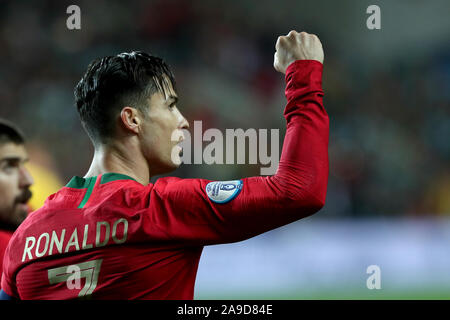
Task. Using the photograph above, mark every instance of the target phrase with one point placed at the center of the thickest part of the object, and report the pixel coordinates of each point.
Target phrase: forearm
(303, 167)
(298, 189)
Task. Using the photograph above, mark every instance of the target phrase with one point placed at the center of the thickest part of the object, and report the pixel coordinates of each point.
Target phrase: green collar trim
(80, 183)
(85, 183)
(89, 184)
(108, 177)
(89, 190)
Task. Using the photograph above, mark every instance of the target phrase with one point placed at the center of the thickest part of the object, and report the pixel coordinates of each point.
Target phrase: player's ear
(130, 118)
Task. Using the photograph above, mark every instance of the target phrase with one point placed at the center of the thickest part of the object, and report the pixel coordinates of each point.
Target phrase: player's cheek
(6, 204)
(7, 188)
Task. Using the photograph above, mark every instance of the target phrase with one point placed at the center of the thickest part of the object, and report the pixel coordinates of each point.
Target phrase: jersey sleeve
(183, 209)
(7, 284)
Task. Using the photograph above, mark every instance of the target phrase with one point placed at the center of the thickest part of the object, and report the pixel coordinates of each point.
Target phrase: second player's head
(132, 96)
(15, 180)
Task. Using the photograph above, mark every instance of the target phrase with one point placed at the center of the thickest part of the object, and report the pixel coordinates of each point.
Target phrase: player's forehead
(10, 150)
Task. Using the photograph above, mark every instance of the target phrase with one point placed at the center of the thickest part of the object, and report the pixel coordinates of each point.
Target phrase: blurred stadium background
(387, 93)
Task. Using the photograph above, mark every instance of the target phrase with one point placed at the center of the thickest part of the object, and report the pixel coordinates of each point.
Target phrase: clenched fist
(296, 46)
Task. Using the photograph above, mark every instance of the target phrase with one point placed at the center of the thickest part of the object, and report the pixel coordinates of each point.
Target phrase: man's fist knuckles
(296, 46)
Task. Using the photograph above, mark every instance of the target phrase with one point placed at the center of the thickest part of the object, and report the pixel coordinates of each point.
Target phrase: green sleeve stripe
(87, 195)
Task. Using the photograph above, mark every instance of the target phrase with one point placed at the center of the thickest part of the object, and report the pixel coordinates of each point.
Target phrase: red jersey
(110, 237)
(5, 236)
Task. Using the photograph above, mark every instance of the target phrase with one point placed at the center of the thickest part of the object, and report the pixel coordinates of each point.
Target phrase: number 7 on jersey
(73, 273)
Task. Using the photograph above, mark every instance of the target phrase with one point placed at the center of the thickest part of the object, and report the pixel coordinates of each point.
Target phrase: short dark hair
(113, 82)
(10, 133)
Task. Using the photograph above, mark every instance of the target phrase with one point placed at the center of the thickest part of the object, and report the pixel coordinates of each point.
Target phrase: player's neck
(118, 159)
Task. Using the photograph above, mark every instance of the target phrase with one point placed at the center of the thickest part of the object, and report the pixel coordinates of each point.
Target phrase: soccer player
(113, 235)
(15, 182)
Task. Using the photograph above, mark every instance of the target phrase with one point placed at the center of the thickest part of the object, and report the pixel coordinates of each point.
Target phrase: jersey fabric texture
(110, 237)
(5, 236)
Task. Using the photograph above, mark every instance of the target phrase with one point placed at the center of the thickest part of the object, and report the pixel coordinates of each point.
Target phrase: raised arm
(194, 214)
